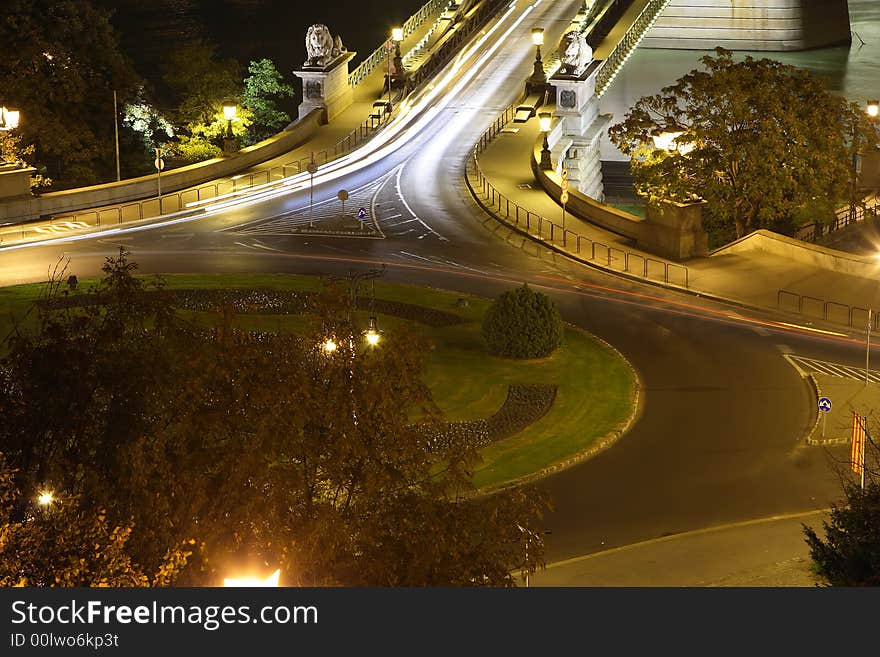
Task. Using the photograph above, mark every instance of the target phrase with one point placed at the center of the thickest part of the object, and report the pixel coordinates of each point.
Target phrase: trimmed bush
(522, 323)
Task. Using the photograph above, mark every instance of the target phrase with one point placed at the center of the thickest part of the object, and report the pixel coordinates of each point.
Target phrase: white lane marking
(406, 205)
(395, 216)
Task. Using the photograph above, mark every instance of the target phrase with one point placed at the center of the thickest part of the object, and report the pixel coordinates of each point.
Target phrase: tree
(202, 83)
(11, 150)
(60, 544)
(763, 143)
(522, 323)
(849, 553)
(263, 89)
(60, 65)
(258, 447)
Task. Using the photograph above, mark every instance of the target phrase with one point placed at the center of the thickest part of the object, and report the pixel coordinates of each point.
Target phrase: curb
(599, 445)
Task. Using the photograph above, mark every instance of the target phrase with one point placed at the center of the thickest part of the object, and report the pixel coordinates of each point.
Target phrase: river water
(852, 70)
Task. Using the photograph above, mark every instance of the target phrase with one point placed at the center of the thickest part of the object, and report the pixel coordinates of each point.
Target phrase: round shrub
(522, 323)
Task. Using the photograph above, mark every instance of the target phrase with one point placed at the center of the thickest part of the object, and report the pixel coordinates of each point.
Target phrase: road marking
(406, 205)
(805, 366)
(395, 216)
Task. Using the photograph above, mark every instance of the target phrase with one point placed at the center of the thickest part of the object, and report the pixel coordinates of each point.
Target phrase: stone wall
(33, 207)
(751, 25)
(764, 241)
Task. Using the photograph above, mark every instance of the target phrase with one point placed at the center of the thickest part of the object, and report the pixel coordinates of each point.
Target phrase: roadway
(719, 438)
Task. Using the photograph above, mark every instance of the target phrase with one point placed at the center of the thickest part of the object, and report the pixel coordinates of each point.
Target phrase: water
(853, 71)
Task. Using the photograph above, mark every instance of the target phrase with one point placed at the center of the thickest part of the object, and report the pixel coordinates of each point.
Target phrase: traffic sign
(563, 198)
(159, 164)
(312, 168)
(342, 195)
(824, 404)
(362, 213)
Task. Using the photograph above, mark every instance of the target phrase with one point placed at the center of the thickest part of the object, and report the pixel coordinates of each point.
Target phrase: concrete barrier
(671, 230)
(764, 241)
(28, 208)
(770, 25)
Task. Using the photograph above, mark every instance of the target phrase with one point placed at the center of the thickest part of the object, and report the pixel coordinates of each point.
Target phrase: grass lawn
(594, 383)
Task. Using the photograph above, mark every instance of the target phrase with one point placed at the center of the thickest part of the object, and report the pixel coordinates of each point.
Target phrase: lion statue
(321, 47)
(576, 53)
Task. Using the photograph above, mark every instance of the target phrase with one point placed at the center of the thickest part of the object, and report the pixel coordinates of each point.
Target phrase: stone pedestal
(674, 230)
(326, 87)
(15, 180)
(580, 130)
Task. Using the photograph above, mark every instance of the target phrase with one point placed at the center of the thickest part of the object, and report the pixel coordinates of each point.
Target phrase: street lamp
(873, 108)
(372, 333)
(45, 498)
(329, 346)
(544, 118)
(270, 581)
(230, 110)
(539, 79)
(9, 118)
(396, 38)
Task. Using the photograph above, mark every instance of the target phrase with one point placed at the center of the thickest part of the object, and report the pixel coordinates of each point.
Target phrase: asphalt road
(719, 436)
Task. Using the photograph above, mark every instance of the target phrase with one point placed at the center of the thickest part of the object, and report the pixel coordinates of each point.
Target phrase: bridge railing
(553, 234)
(176, 201)
(844, 217)
(827, 310)
(379, 55)
(625, 47)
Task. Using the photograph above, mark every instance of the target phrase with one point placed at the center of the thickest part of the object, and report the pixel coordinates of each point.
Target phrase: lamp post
(544, 119)
(538, 81)
(873, 108)
(9, 118)
(230, 110)
(394, 44)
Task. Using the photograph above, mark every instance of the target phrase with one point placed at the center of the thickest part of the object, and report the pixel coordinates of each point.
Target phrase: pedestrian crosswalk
(807, 366)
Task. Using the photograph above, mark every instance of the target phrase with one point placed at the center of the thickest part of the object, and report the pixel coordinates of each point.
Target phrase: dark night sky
(251, 29)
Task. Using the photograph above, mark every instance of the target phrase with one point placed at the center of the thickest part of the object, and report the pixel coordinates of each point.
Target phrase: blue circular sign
(824, 404)
(362, 213)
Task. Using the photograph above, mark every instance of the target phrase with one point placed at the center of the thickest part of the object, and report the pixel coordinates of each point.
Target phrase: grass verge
(594, 383)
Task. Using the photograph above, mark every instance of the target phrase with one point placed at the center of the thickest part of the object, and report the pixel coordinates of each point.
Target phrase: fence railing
(177, 201)
(625, 47)
(379, 54)
(843, 217)
(830, 311)
(561, 238)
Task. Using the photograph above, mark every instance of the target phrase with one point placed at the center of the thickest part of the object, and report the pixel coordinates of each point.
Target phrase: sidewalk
(765, 552)
(751, 279)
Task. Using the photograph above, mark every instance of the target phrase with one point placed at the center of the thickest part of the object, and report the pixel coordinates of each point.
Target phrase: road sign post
(563, 198)
(868, 349)
(312, 168)
(824, 409)
(362, 216)
(159, 163)
(342, 195)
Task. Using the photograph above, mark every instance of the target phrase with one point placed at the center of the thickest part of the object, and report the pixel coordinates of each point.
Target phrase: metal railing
(829, 311)
(844, 217)
(177, 201)
(379, 54)
(625, 47)
(548, 231)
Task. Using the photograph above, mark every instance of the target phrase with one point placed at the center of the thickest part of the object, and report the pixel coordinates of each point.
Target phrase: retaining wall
(33, 207)
(751, 25)
(764, 241)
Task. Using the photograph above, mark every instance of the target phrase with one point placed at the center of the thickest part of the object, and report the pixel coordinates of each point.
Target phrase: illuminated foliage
(257, 446)
(11, 150)
(60, 65)
(763, 143)
(63, 544)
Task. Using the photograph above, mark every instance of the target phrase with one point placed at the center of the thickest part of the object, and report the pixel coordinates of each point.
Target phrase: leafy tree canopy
(258, 447)
(60, 65)
(763, 143)
(263, 89)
